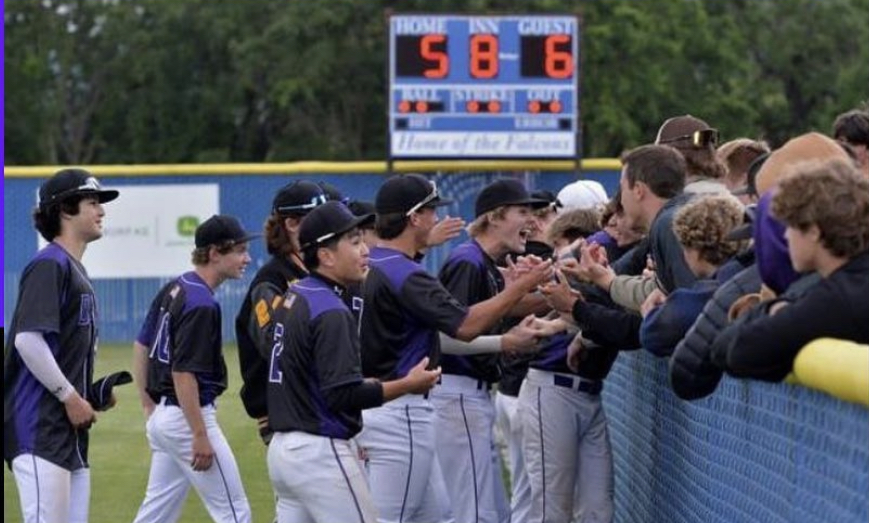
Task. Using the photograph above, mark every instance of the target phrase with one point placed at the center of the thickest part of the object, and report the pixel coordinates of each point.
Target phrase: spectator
(825, 207)
(852, 128)
(702, 227)
(582, 194)
(737, 156)
(696, 141)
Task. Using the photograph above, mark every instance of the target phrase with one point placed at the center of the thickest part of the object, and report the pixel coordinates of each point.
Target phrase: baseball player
(404, 308)
(465, 410)
(513, 370)
(316, 389)
(186, 373)
(49, 363)
(253, 325)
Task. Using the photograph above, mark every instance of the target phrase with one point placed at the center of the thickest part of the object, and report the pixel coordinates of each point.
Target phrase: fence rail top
(313, 167)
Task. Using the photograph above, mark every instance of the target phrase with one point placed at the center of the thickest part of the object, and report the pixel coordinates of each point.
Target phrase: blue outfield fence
(751, 452)
(123, 303)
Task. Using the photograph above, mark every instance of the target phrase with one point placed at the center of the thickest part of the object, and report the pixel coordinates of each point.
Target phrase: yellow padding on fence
(309, 168)
(837, 367)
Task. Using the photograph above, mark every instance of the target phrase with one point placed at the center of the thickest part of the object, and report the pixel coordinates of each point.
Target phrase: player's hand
(652, 301)
(203, 454)
(559, 295)
(522, 338)
(420, 380)
(576, 352)
(549, 327)
(148, 406)
(79, 412)
(445, 230)
(535, 276)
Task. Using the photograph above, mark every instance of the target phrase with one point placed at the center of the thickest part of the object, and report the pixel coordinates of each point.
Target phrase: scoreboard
(483, 86)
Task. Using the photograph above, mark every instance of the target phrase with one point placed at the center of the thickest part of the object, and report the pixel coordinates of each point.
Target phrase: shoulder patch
(263, 315)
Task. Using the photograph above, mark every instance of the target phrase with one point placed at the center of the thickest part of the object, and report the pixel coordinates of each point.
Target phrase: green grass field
(120, 458)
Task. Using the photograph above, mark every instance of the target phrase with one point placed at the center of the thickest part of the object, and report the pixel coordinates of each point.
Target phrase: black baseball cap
(407, 193)
(751, 177)
(327, 221)
(298, 198)
(549, 196)
(100, 393)
(744, 231)
(506, 192)
(332, 192)
(221, 228)
(72, 182)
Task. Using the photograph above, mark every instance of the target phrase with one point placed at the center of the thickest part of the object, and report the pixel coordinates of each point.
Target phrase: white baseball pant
(466, 450)
(51, 494)
(567, 450)
(318, 480)
(171, 475)
(510, 425)
(398, 441)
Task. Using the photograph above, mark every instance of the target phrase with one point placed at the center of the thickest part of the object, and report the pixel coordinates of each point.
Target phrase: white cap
(583, 194)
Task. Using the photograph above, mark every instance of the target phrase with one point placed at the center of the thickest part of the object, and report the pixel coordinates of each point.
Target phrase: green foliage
(142, 81)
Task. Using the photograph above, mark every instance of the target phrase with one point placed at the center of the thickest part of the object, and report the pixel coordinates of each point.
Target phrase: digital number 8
(484, 56)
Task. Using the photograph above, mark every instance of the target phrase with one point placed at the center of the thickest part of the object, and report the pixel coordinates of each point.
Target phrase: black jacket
(692, 373)
(253, 326)
(764, 347)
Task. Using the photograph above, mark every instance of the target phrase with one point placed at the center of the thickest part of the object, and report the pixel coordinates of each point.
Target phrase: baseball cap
(330, 220)
(408, 193)
(221, 228)
(686, 131)
(751, 177)
(744, 231)
(583, 194)
(298, 198)
(72, 182)
(505, 192)
(100, 392)
(549, 196)
(332, 192)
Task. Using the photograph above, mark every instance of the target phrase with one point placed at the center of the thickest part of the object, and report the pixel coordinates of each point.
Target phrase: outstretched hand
(445, 230)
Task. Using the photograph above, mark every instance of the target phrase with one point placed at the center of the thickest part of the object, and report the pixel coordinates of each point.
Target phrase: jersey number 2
(275, 374)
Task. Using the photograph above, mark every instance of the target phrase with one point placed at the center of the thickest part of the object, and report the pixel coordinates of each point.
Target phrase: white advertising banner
(433, 144)
(148, 231)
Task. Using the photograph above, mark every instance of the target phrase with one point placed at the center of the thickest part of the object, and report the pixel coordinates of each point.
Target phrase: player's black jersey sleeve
(427, 299)
(39, 306)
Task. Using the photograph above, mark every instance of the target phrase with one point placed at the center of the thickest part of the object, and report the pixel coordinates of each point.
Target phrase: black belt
(481, 384)
(173, 402)
(580, 384)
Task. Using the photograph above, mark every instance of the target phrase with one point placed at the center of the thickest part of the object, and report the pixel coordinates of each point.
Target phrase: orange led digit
(484, 56)
(427, 51)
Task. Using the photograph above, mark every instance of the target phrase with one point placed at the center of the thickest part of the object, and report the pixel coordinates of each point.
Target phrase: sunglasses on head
(432, 196)
(700, 138)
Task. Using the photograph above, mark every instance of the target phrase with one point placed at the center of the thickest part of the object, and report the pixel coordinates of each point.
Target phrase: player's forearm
(532, 303)
(140, 371)
(37, 356)
(480, 345)
(482, 316)
(187, 391)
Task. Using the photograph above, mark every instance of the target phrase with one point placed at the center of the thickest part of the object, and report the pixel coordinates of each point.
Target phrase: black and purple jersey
(472, 276)
(55, 298)
(316, 350)
(182, 333)
(404, 308)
